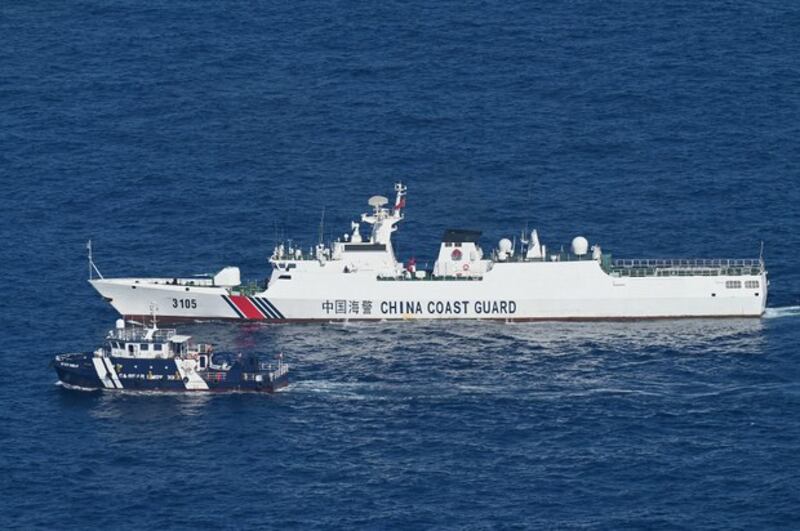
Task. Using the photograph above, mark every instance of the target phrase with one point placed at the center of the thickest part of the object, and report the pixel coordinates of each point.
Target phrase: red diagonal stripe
(246, 307)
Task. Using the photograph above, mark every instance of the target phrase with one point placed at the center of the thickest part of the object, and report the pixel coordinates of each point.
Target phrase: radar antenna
(377, 201)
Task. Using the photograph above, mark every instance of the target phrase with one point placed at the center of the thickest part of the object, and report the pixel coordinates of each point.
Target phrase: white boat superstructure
(360, 278)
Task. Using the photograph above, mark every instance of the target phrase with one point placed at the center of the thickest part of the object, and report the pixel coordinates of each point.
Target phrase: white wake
(784, 311)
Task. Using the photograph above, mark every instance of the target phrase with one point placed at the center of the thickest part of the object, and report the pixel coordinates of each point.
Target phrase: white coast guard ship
(359, 278)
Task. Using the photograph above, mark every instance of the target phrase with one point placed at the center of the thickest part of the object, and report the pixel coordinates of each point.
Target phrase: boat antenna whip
(92, 267)
(322, 226)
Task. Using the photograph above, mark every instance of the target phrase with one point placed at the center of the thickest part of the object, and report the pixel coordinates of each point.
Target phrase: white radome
(580, 246)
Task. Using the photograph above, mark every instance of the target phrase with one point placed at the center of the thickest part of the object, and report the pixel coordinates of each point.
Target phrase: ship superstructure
(358, 277)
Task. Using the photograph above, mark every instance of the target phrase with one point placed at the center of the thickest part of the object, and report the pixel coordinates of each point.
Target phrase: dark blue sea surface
(185, 136)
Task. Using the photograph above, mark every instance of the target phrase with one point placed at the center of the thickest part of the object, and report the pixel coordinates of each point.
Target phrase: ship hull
(521, 291)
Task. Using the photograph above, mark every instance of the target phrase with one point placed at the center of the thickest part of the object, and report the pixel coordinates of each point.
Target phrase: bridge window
(733, 284)
(751, 284)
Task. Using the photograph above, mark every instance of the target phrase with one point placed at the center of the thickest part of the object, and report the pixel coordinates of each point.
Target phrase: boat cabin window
(157, 346)
(144, 347)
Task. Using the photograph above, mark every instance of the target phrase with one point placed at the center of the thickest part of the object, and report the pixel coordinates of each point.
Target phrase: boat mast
(153, 310)
(92, 266)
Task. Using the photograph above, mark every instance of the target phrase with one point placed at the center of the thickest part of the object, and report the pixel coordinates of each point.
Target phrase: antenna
(528, 200)
(92, 267)
(321, 225)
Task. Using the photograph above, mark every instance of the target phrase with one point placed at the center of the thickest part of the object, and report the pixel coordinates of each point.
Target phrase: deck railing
(690, 262)
(639, 267)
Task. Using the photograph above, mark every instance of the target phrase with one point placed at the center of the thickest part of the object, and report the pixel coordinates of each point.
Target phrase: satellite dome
(580, 246)
(505, 245)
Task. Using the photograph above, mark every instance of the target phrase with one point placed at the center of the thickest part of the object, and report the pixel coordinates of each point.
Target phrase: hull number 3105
(184, 303)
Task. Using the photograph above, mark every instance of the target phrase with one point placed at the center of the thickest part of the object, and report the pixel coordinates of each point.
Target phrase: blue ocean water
(183, 136)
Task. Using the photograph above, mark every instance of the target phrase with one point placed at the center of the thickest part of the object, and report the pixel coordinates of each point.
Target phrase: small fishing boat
(154, 359)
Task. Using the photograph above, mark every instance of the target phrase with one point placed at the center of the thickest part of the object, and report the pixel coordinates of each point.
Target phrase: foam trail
(783, 311)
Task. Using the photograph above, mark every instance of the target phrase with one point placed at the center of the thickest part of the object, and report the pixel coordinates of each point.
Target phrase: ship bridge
(352, 252)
